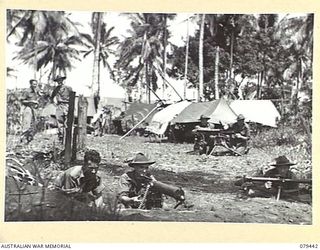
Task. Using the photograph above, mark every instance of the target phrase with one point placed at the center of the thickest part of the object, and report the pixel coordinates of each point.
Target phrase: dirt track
(207, 180)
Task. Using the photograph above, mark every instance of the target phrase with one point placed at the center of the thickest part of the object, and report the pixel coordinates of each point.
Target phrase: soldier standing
(61, 93)
(30, 102)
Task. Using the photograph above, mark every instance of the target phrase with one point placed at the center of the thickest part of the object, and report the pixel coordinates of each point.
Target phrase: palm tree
(200, 95)
(58, 53)
(297, 37)
(104, 49)
(215, 24)
(50, 33)
(143, 45)
(186, 63)
(35, 25)
(96, 24)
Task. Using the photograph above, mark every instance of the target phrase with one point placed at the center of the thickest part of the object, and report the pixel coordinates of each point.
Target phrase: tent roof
(139, 111)
(192, 112)
(160, 120)
(218, 111)
(259, 111)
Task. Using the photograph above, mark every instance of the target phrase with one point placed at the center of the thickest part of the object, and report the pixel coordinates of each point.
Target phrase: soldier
(280, 169)
(133, 185)
(239, 140)
(30, 102)
(61, 93)
(82, 182)
(202, 141)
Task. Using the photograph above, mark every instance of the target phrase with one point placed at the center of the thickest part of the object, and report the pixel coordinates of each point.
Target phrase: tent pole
(139, 123)
(168, 83)
(153, 92)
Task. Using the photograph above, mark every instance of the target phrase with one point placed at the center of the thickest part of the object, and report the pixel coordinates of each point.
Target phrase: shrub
(279, 136)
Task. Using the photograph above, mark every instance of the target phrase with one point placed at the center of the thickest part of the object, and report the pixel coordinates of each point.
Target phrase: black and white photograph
(158, 116)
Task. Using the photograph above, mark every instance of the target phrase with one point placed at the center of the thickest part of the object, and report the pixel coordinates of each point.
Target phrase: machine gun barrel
(214, 131)
(274, 179)
(170, 190)
(175, 192)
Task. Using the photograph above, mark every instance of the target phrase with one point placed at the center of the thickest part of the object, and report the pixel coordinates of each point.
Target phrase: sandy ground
(208, 181)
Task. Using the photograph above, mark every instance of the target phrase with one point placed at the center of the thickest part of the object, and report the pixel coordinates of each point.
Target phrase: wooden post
(74, 143)
(70, 117)
(82, 122)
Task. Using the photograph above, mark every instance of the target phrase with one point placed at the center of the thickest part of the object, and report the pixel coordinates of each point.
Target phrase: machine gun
(156, 186)
(278, 180)
(216, 138)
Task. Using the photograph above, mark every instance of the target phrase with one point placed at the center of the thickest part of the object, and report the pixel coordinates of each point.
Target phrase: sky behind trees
(80, 77)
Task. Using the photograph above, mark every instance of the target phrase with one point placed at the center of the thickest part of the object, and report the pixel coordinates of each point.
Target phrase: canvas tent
(137, 111)
(259, 111)
(161, 119)
(218, 111)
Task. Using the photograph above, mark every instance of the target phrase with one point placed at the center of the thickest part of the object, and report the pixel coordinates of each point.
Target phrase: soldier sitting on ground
(82, 182)
(203, 142)
(240, 138)
(280, 169)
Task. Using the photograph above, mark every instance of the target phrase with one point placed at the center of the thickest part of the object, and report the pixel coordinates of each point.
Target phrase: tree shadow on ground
(193, 180)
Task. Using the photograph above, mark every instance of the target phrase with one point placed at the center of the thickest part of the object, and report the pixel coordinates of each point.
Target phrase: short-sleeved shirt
(63, 94)
(29, 95)
(130, 185)
(74, 177)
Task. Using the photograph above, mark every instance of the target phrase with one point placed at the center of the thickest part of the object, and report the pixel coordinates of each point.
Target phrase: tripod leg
(212, 150)
(279, 193)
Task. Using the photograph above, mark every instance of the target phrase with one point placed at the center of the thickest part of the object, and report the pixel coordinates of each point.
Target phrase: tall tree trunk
(98, 76)
(295, 89)
(200, 95)
(231, 54)
(260, 83)
(140, 88)
(186, 63)
(95, 70)
(164, 56)
(148, 92)
(35, 59)
(54, 68)
(216, 74)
